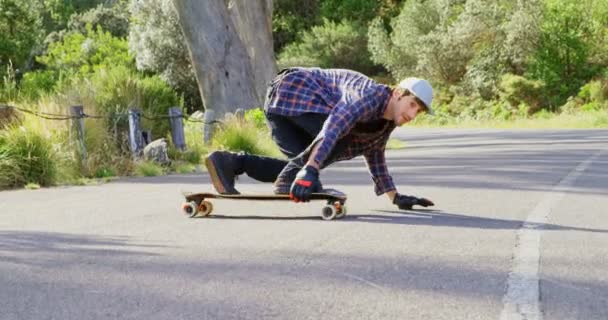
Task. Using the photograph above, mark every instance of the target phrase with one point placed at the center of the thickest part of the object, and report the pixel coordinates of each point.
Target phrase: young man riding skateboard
(321, 116)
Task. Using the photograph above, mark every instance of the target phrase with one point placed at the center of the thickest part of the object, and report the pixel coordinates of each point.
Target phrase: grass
(183, 168)
(596, 119)
(239, 135)
(26, 156)
(32, 186)
(148, 169)
(395, 144)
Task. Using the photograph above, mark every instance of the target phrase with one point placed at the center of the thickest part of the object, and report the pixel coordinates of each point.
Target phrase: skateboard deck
(197, 206)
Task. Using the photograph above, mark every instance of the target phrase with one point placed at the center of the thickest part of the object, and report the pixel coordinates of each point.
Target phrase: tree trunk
(222, 67)
(253, 22)
(230, 44)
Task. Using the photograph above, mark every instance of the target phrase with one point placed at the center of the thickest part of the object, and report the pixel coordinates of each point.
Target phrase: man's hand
(407, 202)
(306, 182)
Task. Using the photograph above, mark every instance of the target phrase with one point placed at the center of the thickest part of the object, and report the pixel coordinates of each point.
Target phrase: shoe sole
(215, 179)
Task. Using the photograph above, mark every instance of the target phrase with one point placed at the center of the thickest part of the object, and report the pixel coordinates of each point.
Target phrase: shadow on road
(51, 244)
(420, 217)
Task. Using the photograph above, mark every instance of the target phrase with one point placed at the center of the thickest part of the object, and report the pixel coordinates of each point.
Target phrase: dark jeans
(294, 135)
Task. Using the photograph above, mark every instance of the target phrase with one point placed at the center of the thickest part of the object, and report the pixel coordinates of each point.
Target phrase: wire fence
(63, 117)
(138, 138)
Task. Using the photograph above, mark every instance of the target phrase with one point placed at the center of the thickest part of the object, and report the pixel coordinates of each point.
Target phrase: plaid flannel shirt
(354, 105)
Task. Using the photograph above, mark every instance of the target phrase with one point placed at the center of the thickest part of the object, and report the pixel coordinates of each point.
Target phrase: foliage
(193, 134)
(256, 117)
(183, 168)
(26, 157)
(20, 31)
(82, 54)
(331, 46)
(290, 18)
(468, 44)
(238, 135)
(106, 156)
(114, 20)
(567, 41)
(354, 10)
(10, 175)
(9, 90)
(148, 169)
(156, 39)
(595, 91)
(38, 82)
(117, 89)
(57, 13)
(517, 89)
(521, 33)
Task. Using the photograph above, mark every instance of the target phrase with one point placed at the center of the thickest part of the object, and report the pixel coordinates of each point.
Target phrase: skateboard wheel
(205, 208)
(328, 213)
(342, 212)
(189, 208)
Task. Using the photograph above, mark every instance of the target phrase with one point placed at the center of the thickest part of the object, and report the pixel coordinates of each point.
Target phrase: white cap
(421, 89)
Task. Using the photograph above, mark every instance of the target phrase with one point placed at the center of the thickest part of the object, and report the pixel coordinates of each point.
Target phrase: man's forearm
(311, 159)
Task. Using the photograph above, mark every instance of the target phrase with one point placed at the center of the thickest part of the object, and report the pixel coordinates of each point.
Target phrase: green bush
(257, 117)
(359, 10)
(26, 157)
(36, 83)
(79, 55)
(289, 18)
(192, 155)
(20, 31)
(10, 174)
(118, 89)
(9, 90)
(571, 46)
(105, 172)
(595, 91)
(114, 20)
(148, 169)
(237, 135)
(331, 45)
(193, 133)
(517, 89)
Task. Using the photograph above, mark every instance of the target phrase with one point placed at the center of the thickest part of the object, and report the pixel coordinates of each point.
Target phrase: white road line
(523, 293)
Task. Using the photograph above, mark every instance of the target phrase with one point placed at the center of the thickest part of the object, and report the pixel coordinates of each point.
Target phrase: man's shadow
(422, 217)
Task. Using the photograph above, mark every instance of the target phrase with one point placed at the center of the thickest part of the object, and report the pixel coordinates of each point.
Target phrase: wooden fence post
(135, 137)
(77, 130)
(177, 128)
(208, 125)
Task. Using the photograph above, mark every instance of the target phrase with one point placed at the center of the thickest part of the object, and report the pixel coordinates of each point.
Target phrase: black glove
(407, 202)
(306, 182)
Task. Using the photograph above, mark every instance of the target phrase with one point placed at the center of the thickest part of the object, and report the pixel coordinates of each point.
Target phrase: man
(320, 116)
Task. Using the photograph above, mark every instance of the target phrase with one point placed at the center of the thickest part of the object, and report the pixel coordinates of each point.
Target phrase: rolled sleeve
(376, 163)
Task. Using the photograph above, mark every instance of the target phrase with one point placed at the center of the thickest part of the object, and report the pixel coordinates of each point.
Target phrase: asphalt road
(519, 231)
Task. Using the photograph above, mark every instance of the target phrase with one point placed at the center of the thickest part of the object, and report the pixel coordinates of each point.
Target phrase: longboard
(197, 206)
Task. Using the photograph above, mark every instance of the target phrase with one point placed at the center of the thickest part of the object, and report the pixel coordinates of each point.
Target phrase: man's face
(406, 109)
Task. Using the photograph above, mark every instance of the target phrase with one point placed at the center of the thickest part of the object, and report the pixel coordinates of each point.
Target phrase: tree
(20, 31)
(157, 41)
(230, 45)
(253, 22)
(290, 18)
(565, 48)
(331, 45)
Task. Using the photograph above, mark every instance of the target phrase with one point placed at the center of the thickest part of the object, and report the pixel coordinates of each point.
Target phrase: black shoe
(222, 167)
